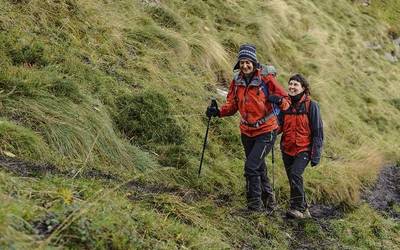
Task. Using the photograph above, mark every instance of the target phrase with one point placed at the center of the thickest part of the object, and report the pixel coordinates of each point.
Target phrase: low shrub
(29, 54)
(145, 118)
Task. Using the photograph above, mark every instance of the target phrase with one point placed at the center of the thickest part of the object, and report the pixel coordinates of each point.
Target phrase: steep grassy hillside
(102, 121)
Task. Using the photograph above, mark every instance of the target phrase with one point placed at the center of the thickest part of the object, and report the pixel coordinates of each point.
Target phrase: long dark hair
(304, 83)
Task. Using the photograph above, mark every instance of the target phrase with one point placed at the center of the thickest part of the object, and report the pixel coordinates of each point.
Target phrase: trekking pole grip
(213, 102)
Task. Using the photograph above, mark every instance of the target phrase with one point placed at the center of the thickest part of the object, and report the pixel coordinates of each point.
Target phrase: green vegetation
(113, 93)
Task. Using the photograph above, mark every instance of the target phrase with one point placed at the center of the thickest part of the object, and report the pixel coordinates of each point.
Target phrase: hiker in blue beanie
(254, 95)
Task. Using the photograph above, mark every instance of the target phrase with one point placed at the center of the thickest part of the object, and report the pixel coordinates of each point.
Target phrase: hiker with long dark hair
(301, 142)
(254, 95)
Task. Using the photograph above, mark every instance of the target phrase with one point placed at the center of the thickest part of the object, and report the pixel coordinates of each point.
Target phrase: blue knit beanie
(247, 51)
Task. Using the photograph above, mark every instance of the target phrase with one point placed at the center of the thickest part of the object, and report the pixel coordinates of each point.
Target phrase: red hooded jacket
(256, 112)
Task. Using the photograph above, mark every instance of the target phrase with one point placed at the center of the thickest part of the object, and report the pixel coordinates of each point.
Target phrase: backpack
(266, 70)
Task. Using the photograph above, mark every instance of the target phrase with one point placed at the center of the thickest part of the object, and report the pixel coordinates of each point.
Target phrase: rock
(8, 153)
(391, 57)
(365, 2)
(397, 42)
(373, 45)
(151, 2)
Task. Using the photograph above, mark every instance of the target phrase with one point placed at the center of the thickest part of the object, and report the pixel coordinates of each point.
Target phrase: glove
(275, 99)
(212, 111)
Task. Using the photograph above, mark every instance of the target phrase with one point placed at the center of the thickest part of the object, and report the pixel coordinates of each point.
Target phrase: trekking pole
(273, 168)
(213, 104)
(276, 113)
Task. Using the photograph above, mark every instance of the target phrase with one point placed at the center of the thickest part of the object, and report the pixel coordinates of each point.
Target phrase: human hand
(275, 99)
(212, 111)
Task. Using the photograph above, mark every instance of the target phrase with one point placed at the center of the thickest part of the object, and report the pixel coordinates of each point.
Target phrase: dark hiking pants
(295, 166)
(257, 182)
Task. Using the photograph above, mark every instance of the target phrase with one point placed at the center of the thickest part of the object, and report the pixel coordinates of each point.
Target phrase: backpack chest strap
(257, 123)
(301, 109)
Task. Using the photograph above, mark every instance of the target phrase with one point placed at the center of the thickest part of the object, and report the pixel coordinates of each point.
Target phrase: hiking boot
(245, 211)
(255, 205)
(307, 214)
(296, 214)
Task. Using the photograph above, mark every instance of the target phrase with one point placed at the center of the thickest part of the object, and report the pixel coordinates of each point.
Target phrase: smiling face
(246, 66)
(295, 88)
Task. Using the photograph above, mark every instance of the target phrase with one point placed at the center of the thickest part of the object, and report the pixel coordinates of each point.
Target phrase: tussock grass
(22, 141)
(377, 232)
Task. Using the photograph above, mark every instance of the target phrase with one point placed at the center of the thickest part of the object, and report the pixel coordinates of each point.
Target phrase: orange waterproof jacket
(302, 129)
(296, 128)
(256, 112)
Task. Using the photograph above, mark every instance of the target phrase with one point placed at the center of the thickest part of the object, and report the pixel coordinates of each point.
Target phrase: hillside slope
(102, 121)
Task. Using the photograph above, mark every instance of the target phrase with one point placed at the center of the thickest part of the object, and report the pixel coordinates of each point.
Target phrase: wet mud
(385, 194)
(25, 168)
(320, 211)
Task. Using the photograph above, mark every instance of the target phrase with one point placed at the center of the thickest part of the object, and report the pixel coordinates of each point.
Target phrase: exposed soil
(385, 195)
(320, 211)
(27, 169)
(30, 169)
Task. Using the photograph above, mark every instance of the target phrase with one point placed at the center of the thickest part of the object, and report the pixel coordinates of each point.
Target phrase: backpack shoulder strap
(264, 87)
(275, 108)
(236, 74)
(235, 78)
(308, 105)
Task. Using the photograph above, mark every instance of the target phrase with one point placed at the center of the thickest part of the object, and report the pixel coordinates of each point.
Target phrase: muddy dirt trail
(138, 190)
(24, 168)
(385, 195)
